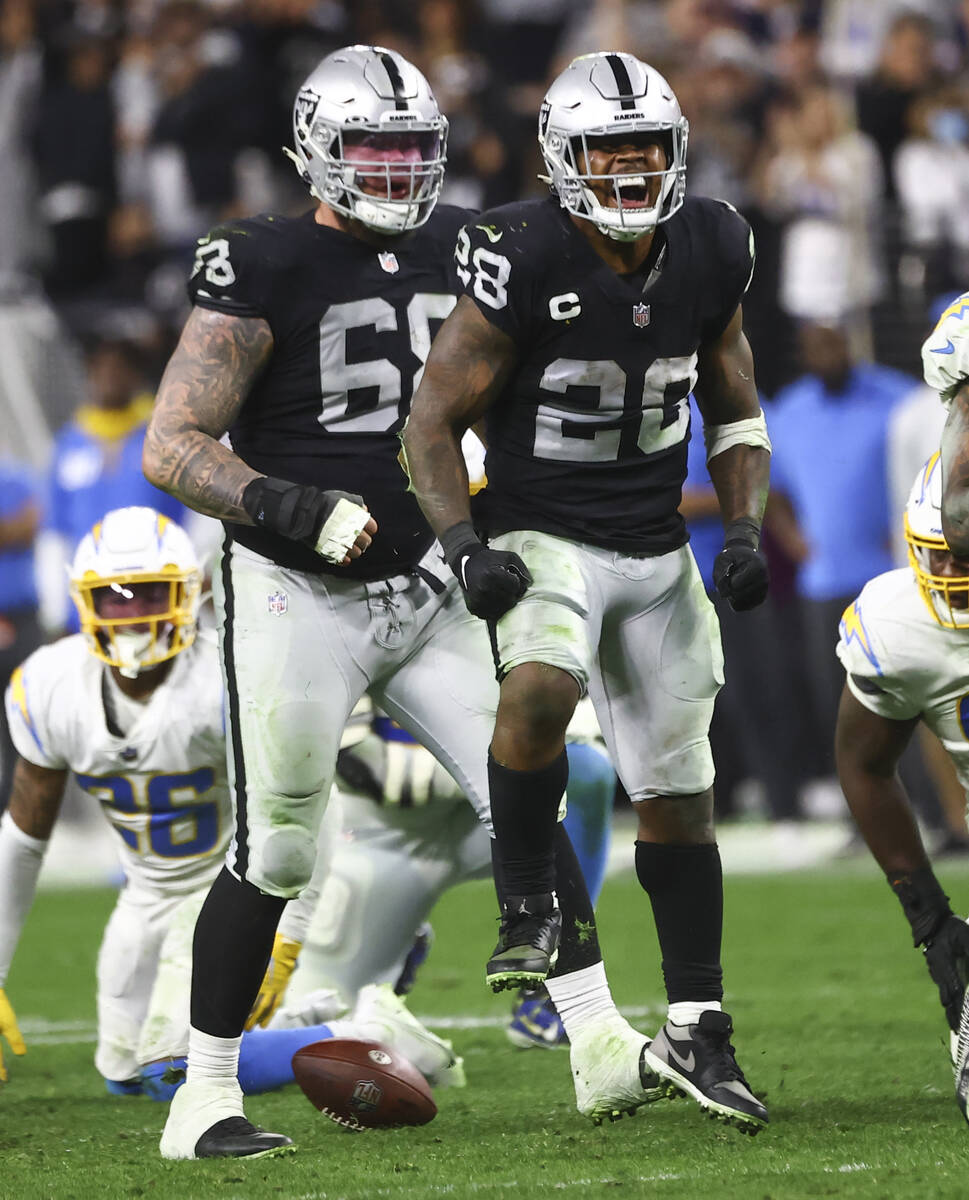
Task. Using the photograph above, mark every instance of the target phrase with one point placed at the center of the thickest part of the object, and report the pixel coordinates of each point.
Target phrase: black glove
(947, 957)
(294, 510)
(943, 937)
(493, 581)
(740, 569)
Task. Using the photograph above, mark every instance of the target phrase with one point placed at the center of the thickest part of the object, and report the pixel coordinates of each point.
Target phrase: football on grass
(363, 1085)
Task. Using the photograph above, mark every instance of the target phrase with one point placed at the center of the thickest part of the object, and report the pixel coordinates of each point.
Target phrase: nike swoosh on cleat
(687, 1063)
(948, 348)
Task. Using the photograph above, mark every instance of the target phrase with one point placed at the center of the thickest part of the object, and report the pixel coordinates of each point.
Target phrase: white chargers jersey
(163, 785)
(902, 663)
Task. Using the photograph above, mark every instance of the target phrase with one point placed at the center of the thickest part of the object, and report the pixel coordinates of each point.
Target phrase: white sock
(212, 1058)
(687, 1012)
(581, 997)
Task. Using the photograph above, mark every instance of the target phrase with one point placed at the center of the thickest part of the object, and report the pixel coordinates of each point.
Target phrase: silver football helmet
(598, 96)
(366, 97)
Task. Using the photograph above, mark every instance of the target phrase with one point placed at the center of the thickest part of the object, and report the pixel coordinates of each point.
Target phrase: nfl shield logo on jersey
(640, 315)
(388, 260)
(278, 603)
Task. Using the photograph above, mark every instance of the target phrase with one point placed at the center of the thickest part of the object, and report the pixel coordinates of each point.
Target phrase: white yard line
(40, 1032)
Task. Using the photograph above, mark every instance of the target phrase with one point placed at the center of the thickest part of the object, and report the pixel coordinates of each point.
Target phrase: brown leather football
(363, 1085)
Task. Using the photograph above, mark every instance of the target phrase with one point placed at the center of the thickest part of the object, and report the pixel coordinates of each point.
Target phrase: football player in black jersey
(305, 343)
(586, 320)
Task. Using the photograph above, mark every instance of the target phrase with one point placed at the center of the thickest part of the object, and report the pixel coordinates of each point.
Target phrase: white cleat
(206, 1120)
(609, 1072)
(382, 1016)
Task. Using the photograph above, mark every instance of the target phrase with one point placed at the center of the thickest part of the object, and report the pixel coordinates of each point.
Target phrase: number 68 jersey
(588, 439)
(162, 785)
(352, 324)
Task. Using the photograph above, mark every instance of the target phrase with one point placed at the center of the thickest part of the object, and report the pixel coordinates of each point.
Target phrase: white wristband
(750, 432)
(21, 857)
(340, 530)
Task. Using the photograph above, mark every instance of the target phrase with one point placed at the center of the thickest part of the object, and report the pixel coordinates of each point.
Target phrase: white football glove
(945, 353)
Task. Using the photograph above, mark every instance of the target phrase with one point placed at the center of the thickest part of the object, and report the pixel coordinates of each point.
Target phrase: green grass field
(837, 1023)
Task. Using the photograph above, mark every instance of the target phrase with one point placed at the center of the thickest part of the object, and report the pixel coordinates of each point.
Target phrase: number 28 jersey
(588, 440)
(162, 785)
(352, 324)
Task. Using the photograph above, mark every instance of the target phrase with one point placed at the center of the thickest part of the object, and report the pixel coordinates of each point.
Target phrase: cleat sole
(674, 1086)
(508, 980)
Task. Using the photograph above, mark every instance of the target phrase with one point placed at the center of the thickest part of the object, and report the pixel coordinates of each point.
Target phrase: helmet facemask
(946, 595)
(614, 97)
(136, 584)
(568, 158)
(345, 110)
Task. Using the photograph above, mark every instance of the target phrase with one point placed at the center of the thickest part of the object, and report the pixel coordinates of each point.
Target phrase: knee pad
(161, 1080)
(286, 860)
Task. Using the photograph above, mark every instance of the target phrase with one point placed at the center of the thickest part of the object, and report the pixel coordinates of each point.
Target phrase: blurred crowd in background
(840, 128)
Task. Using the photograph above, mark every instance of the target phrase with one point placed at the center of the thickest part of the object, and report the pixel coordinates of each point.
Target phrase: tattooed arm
(205, 384)
(470, 361)
(955, 475)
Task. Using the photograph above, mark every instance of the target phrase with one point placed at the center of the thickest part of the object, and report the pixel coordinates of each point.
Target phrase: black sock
(233, 941)
(524, 811)
(579, 946)
(685, 888)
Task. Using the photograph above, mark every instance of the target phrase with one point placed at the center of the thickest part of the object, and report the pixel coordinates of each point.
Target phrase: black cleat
(528, 942)
(235, 1137)
(698, 1060)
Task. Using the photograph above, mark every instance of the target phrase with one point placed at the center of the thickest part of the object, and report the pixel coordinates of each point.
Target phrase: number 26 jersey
(588, 440)
(162, 784)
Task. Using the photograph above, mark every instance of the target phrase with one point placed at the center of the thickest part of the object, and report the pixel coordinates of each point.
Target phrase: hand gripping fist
(740, 569)
(9, 1030)
(493, 581)
(335, 524)
(275, 981)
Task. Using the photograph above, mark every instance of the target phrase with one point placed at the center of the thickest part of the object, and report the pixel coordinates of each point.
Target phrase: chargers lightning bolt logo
(957, 309)
(853, 630)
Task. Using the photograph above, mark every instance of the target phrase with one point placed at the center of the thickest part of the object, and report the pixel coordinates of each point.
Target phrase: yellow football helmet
(946, 596)
(136, 554)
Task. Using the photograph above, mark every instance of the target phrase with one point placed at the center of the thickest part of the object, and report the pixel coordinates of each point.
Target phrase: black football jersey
(588, 440)
(352, 325)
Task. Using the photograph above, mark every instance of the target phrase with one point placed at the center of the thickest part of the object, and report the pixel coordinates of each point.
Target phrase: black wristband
(458, 542)
(923, 901)
(290, 509)
(745, 530)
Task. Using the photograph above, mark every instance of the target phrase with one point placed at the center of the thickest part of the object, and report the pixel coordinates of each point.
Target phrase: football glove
(740, 569)
(275, 981)
(9, 1030)
(327, 522)
(947, 957)
(493, 581)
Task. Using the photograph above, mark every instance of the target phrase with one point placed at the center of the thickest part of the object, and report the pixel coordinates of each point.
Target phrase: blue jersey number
(179, 826)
